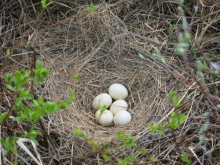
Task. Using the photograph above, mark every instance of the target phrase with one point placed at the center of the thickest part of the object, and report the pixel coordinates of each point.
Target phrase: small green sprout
(45, 4)
(91, 8)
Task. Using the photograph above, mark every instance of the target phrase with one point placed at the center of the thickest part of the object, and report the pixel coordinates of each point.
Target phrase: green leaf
(185, 158)
(140, 55)
(8, 52)
(156, 127)
(91, 8)
(204, 128)
(18, 101)
(201, 139)
(106, 157)
(185, 24)
(206, 114)
(93, 143)
(10, 87)
(127, 140)
(153, 158)
(172, 95)
(176, 120)
(144, 151)
(181, 2)
(176, 103)
(102, 109)
(3, 116)
(75, 77)
(193, 50)
(127, 160)
(180, 50)
(45, 4)
(9, 78)
(187, 36)
(9, 144)
(81, 134)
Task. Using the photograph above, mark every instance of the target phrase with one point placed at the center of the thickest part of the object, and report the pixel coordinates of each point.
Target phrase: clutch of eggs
(118, 109)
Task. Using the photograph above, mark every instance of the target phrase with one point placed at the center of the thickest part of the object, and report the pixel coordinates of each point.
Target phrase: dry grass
(102, 48)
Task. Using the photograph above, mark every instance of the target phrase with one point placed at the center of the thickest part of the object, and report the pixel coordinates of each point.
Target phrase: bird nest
(101, 51)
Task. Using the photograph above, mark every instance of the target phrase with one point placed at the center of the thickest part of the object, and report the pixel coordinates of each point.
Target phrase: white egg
(101, 100)
(118, 91)
(122, 118)
(105, 118)
(118, 105)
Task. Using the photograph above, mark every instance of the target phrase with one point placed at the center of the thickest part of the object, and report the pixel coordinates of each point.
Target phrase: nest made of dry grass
(103, 48)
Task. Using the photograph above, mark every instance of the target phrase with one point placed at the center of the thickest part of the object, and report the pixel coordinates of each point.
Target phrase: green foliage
(204, 128)
(94, 144)
(174, 99)
(91, 8)
(175, 120)
(106, 148)
(76, 78)
(81, 134)
(3, 116)
(45, 4)
(201, 131)
(156, 127)
(32, 135)
(8, 52)
(39, 109)
(106, 157)
(40, 72)
(185, 158)
(9, 144)
(26, 108)
(102, 109)
(158, 55)
(140, 55)
(206, 114)
(144, 151)
(125, 161)
(181, 2)
(153, 158)
(127, 140)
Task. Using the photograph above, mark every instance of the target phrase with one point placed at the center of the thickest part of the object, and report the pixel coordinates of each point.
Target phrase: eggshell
(101, 100)
(118, 91)
(118, 105)
(105, 118)
(122, 118)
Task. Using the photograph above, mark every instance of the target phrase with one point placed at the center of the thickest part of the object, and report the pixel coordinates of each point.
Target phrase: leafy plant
(105, 149)
(24, 107)
(175, 120)
(9, 144)
(127, 140)
(156, 127)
